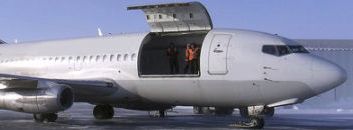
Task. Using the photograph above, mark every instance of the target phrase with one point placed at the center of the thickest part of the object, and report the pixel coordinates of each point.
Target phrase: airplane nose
(326, 75)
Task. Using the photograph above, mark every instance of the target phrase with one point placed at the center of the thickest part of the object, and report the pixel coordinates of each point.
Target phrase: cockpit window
(298, 49)
(269, 49)
(281, 50)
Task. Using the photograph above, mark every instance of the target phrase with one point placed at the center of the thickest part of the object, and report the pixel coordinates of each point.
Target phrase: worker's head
(192, 45)
(188, 45)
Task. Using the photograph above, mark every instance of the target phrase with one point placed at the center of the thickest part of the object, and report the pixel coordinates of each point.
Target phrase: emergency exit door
(217, 60)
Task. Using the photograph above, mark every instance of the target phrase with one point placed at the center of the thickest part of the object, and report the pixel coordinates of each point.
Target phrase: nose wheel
(255, 116)
(103, 112)
(252, 123)
(48, 117)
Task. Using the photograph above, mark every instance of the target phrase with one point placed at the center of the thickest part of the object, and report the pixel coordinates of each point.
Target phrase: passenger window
(104, 58)
(133, 56)
(97, 58)
(125, 57)
(84, 59)
(62, 59)
(78, 58)
(118, 57)
(269, 49)
(111, 58)
(90, 58)
(70, 59)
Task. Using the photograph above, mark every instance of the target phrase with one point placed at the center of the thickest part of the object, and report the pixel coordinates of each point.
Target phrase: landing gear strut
(103, 112)
(202, 110)
(47, 117)
(267, 112)
(255, 114)
(161, 113)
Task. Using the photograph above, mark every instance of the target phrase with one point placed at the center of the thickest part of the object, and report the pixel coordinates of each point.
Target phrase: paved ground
(80, 117)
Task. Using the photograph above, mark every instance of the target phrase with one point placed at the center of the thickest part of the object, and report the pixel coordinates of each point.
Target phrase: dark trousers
(173, 66)
(194, 67)
(187, 66)
(191, 67)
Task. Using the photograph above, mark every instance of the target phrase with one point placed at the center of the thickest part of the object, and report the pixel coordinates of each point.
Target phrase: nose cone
(326, 75)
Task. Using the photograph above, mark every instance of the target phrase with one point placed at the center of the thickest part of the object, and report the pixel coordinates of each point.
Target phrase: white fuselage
(240, 74)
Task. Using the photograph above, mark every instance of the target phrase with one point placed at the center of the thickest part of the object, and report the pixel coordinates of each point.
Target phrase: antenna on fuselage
(99, 32)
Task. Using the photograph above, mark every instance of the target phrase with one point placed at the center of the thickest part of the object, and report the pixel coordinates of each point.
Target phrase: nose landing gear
(255, 115)
(252, 123)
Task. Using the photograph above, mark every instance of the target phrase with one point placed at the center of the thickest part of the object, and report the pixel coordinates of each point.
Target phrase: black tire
(38, 118)
(197, 110)
(224, 111)
(103, 112)
(202, 110)
(49, 117)
(206, 110)
(258, 123)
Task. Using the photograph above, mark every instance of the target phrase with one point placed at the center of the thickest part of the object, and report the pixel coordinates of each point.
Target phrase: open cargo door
(176, 17)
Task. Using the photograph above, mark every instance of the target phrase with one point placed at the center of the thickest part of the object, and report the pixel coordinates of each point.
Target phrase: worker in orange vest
(187, 61)
(191, 58)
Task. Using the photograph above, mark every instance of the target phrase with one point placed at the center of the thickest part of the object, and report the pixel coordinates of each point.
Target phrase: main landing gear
(162, 113)
(103, 112)
(255, 115)
(159, 113)
(47, 117)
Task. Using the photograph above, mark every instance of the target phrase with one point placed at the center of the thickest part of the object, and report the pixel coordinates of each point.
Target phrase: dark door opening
(154, 59)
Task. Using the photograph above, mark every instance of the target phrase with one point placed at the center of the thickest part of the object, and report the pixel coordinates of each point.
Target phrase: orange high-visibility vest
(190, 54)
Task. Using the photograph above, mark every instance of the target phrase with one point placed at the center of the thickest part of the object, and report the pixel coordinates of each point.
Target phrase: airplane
(238, 68)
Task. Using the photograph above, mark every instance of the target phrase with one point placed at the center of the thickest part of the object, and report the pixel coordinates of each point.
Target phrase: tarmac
(80, 117)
